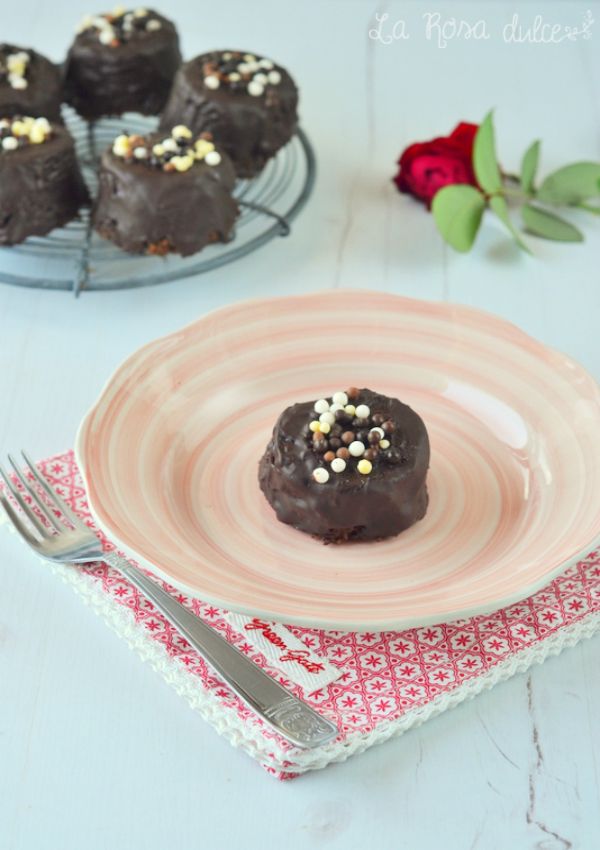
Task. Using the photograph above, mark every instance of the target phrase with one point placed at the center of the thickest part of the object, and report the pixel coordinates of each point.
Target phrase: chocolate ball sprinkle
(343, 453)
(348, 437)
(353, 392)
(371, 454)
(321, 446)
(374, 437)
(388, 427)
(335, 443)
(329, 456)
(393, 456)
(377, 419)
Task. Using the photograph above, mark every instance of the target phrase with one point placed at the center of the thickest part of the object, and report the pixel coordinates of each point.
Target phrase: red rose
(426, 167)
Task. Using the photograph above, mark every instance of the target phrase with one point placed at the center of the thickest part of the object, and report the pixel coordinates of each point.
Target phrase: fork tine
(56, 523)
(33, 519)
(17, 522)
(54, 497)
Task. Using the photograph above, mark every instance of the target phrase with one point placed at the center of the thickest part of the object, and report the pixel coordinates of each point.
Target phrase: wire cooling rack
(76, 258)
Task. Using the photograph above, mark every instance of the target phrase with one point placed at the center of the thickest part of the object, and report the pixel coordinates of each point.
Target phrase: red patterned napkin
(389, 681)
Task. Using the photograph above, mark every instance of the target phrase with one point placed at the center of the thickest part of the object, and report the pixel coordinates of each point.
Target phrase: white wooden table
(96, 751)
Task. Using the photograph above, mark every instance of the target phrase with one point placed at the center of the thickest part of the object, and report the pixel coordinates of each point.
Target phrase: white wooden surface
(96, 751)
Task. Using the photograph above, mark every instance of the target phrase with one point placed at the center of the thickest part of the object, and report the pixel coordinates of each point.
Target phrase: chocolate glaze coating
(349, 506)
(41, 188)
(136, 76)
(147, 210)
(43, 95)
(251, 129)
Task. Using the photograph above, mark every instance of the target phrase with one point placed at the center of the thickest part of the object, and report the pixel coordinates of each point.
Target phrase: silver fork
(76, 543)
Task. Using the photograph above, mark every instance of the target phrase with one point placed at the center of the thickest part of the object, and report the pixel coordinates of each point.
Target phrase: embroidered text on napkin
(286, 652)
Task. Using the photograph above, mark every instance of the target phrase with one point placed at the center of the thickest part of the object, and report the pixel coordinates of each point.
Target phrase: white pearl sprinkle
(212, 82)
(36, 135)
(320, 475)
(234, 77)
(340, 398)
(338, 464)
(170, 145)
(274, 78)
(140, 13)
(261, 79)
(106, 36)
(349, 408)
(356, 448)
(363, 411)
(253, 67)
(4, 124)
(17, 82)
(227, 56)
(153, 25)
(180, 131)
(384, 444)
(10, 143)
(16, 65)
(322, 405)
(266, 64)
(255, 89)
(327, 417)
(250, 57)
(243, 68)
(334, 407)
(379, 431)
(43, 124)
(121, 145)
(140, 153)
(212, 158)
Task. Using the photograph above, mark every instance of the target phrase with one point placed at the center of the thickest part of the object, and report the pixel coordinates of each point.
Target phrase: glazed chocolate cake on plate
(347, 469)
(29, 84)
(247, 102)
(41, 186)
(162, 195)
(121, 62)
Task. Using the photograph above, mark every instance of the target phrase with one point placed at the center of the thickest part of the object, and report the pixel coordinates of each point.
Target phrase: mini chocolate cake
(352, 469)
(162, 195)
(29, 84)
(121, 62)
(247, 102)
(41, 186)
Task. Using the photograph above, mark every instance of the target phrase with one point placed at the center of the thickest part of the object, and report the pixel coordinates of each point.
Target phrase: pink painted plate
(170, 454)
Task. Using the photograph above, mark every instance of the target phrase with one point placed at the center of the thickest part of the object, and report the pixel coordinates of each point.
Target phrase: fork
(76, 543)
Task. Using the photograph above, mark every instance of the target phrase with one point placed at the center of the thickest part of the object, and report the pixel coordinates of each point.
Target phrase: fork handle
(293, 719)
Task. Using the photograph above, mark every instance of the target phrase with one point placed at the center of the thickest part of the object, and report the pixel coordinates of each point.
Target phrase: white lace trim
(246, 737)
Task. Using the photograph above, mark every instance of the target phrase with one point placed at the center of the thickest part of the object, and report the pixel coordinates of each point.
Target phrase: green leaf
(549, 226)
(571, 184)
(457, 211)
(498, 204)
(484, 157)
(529, 167)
